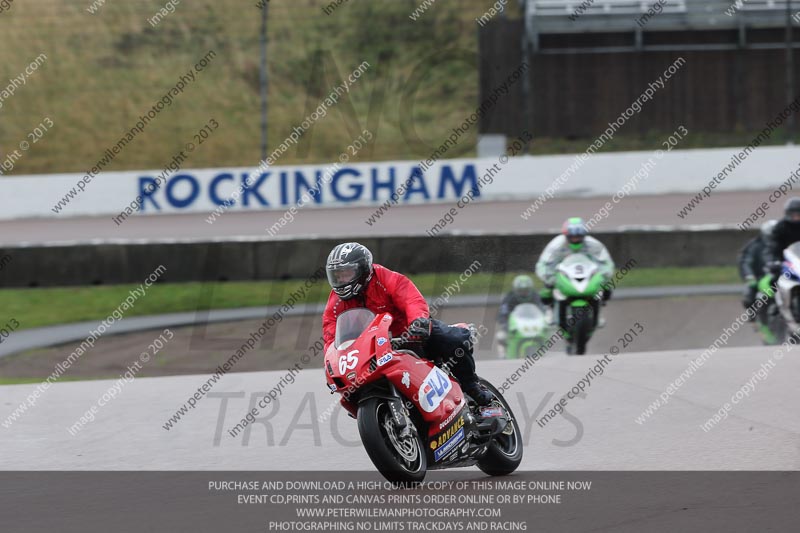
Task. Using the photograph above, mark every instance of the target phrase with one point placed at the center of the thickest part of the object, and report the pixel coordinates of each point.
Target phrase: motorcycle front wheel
(398, 459)
(582, 329)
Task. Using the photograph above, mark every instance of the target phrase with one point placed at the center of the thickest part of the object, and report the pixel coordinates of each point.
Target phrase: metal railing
(578, 16)
(602, 7)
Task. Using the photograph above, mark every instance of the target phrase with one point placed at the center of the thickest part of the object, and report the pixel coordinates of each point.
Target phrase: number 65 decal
(348, 362)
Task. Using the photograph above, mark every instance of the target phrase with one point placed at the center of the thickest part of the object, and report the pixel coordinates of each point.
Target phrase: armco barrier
(284, 259)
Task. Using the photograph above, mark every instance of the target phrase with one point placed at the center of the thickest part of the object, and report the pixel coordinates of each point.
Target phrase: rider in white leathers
(574, 239)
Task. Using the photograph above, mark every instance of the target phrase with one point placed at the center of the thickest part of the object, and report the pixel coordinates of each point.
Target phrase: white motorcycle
(787, 295)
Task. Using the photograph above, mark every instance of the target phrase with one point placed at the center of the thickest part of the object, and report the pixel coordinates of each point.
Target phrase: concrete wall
(282, 188)
(261, 260)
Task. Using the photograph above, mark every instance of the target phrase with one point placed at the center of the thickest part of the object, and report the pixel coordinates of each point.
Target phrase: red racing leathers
(387, 292)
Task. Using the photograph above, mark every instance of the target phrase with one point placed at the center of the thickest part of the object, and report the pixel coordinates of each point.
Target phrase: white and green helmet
(522, 285)
(575, 232)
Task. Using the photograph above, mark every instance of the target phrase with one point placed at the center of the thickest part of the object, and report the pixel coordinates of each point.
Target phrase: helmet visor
(342, 275)
(575, 239)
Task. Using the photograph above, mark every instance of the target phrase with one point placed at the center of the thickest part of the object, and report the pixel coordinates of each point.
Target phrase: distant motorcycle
(787, 295)
(577, 292)
(528, 329)
(412, 415)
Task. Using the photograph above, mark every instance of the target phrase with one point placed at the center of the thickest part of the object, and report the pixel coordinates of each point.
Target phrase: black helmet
(792, 210)
(349, 269)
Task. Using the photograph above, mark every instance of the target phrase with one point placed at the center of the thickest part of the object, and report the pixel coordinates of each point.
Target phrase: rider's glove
(419, 331)
(774, 267)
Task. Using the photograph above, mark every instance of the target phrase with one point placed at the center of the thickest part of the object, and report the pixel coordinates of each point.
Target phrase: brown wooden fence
(575, 95)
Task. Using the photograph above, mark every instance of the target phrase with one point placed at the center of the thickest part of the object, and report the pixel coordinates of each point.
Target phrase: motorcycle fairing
(355, 364)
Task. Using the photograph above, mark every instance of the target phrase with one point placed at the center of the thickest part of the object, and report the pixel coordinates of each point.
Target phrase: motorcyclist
(574, 239)
(522, 291)
(357, 282)
(751, 263)
(785, 233)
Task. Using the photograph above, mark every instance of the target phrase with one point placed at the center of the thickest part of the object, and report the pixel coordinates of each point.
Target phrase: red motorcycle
(412, 415)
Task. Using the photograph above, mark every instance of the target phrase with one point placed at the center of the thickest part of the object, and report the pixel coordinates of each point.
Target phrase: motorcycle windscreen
(528, 311)
(351, 324)
(578, 266)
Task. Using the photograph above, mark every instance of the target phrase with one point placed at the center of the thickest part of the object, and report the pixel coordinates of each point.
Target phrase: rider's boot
(478, 392)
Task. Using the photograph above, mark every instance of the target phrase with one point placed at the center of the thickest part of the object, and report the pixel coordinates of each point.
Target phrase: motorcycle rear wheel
(398, 460)
(505, 451)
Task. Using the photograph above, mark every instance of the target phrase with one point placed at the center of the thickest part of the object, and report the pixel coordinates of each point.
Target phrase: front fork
(400, 417)
(396, 404)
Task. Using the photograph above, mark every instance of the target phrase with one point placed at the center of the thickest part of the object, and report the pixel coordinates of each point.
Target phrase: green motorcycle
(528, 329)
(577, 293)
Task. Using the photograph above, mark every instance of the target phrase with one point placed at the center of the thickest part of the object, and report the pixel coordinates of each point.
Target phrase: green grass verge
(49, 306)
(29, 381)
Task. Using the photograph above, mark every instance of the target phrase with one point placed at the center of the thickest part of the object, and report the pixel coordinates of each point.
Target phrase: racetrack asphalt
(599, 432)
